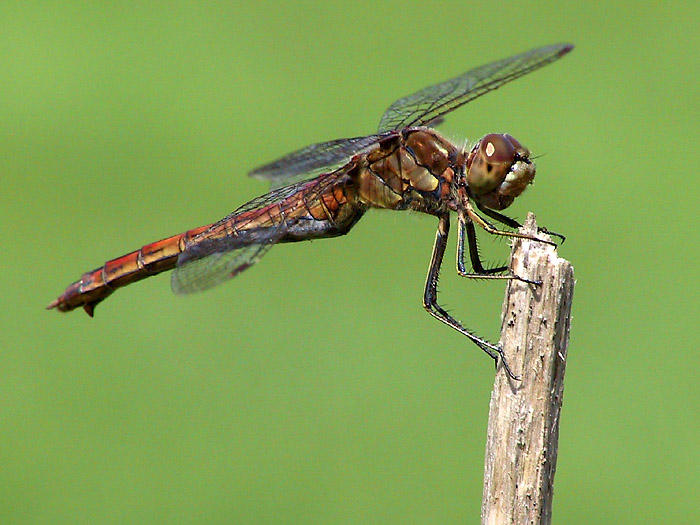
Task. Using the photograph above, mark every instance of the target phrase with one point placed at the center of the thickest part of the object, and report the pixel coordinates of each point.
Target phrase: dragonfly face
(498, 170)
(324, 189)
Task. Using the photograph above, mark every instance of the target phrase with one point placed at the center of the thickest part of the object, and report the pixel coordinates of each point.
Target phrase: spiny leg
(467, 226)
(513, 223)
(437, 311)
(490, 228)
(465, 223)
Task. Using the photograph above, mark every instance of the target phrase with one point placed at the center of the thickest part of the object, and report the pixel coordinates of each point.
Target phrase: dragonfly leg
(490, 228)
(466, 224)
(430, 297)
(513, 223)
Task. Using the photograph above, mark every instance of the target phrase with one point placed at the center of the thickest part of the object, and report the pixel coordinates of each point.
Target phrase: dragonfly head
(498, 170)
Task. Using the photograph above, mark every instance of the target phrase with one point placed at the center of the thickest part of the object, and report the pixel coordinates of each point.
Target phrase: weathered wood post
(523, 430)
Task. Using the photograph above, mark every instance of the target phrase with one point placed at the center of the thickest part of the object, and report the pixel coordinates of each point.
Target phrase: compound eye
(519, 148)
(513, 141)
(499, 149)
(491, 162)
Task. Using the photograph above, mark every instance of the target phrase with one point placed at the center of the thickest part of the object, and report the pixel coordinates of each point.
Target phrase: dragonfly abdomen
(151, 259)
(316, 210)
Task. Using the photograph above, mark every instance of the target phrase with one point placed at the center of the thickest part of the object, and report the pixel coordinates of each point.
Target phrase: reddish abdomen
(98, 284)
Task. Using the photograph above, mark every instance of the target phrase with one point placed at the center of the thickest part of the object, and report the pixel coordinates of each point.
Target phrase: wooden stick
(523, 430)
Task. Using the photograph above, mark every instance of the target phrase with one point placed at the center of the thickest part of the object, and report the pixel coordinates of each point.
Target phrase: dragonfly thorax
(498, 170)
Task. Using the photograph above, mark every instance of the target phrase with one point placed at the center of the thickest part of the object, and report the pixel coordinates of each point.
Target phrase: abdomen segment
(93, 287)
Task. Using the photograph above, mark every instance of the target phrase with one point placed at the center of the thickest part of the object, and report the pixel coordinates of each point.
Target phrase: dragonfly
(322, 190)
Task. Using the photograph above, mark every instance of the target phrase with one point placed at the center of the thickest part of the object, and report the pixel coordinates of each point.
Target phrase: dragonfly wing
(213, 261)
(240, 239)
(433, 102)
(213, 257)
(313, 160)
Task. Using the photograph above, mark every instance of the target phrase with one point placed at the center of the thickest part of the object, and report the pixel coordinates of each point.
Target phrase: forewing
(312, 160)
(433, 102)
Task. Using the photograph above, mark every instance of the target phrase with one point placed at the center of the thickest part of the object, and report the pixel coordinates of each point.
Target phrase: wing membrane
(214, 261)
(435, 101)
(312, 160)
(240, 239)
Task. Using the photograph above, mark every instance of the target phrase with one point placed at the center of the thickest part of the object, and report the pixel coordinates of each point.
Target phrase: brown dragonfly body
(406, 166)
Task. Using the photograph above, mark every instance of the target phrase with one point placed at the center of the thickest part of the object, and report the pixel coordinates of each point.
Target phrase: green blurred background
(314, 388)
